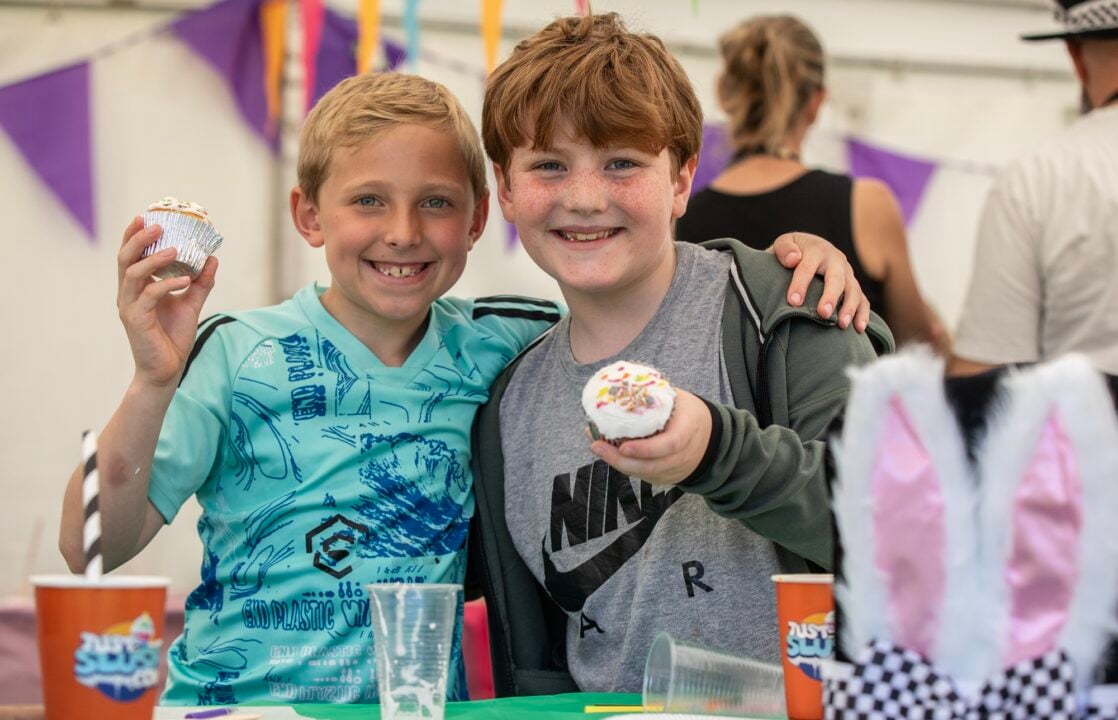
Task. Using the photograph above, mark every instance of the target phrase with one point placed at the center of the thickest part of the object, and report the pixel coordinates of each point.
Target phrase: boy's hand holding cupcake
(160, 322)
(643, 426)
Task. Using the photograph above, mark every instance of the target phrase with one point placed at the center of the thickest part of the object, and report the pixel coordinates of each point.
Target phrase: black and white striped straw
(91, 487)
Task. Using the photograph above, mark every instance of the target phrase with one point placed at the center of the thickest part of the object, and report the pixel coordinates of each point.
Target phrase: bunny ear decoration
(905, 510)
(1049, 552)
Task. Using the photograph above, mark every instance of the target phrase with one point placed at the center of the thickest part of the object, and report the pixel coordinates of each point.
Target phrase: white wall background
(943, 79)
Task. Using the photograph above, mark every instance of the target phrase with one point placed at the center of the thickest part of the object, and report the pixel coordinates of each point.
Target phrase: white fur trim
(1072, 388)
(915, 378)
(1088, 416)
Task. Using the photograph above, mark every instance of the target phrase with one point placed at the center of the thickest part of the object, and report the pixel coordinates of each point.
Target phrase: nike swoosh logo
(570, 589)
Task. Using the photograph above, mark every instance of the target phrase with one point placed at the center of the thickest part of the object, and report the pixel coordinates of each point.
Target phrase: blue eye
(621, 164)
(548, 165)
(368, 201)
(436, 203)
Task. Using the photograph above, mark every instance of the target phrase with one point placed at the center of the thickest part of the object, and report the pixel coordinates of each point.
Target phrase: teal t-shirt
(319, 470)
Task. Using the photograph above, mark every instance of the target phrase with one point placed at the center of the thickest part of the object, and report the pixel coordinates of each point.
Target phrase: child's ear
(504, 194)
(682, 190)
(304, 213)
(477, 222)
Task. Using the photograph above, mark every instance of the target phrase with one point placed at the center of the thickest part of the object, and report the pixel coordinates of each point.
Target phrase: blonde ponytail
(772, 65)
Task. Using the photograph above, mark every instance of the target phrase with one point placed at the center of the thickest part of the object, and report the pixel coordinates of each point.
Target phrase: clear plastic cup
(413, 628)
(683, 678)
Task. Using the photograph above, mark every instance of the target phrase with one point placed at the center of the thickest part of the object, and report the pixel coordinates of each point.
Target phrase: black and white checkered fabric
(1102, 703)
(892, 682)
(1088, 16)
(1098, 712)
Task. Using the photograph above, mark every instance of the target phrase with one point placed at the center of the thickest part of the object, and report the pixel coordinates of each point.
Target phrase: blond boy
(326, 438)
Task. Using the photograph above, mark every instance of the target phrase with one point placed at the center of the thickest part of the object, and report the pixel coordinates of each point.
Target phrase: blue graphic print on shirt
(320, 470)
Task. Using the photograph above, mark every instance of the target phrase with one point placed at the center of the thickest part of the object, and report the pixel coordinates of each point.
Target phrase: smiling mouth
(587, 237)
(398, 270)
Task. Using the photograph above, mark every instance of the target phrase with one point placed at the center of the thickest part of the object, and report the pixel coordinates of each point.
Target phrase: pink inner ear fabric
(909, 533)
(1047, 519)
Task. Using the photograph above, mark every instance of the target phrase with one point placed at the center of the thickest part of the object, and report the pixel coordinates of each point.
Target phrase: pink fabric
(312, 13)
(1047, 518)
(909, 533)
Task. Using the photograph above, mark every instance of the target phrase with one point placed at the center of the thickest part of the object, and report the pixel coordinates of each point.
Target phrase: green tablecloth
(543, 707)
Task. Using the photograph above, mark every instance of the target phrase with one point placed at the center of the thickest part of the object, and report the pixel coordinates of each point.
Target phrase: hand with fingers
(670, 455)
(810, 255)
(159, 319)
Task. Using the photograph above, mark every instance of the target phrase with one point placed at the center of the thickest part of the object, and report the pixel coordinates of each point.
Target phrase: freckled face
(397, 216)
(597, 219)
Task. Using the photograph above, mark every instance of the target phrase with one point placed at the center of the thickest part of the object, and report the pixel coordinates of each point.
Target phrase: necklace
(781, 152)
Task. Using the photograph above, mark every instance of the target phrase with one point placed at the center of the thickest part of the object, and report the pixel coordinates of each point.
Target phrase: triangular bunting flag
(906, 176)
(312, 12)
(491, 31)
(227, 35)
(336, 52)
(411, 32)
(368, 34)
(273, 29)
(714, 156)
(47, 118)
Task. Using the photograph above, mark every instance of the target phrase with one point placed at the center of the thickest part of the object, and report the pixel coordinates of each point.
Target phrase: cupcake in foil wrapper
(187, 228)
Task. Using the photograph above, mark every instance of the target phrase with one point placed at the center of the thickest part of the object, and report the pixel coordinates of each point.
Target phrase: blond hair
(772, 65)
(358, 108)
(614, 86)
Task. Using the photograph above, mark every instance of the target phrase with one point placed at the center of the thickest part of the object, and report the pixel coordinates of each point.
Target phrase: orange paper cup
(805, 610)
(99, 645)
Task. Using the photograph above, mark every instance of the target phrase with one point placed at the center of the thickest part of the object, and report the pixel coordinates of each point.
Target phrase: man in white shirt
(1045, 277)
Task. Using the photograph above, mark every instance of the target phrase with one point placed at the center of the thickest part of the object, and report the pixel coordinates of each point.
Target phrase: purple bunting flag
(905, 175)
(47, 118)
(227, 35)
(714, 157)
(336, 59)
(512, 239)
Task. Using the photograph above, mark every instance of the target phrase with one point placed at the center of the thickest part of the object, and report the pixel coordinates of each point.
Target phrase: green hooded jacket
(764, 467)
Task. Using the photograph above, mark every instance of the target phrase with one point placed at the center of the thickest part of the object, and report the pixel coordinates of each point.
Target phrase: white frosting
(174, 204)
(628, 400)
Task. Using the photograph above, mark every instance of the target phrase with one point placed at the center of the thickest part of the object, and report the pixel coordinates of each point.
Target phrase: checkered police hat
(1082, 19)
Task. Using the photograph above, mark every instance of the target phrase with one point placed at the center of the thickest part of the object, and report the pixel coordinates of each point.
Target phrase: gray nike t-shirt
(623, 558)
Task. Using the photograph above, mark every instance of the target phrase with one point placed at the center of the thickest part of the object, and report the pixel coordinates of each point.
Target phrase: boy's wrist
(146, 388)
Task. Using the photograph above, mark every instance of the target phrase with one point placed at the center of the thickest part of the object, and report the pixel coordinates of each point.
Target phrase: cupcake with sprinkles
(187, 228)
(626, 401)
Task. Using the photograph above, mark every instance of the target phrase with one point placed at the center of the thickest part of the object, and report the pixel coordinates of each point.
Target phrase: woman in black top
(772, 88)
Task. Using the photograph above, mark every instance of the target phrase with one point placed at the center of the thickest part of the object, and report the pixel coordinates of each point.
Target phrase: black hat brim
(1104, 34)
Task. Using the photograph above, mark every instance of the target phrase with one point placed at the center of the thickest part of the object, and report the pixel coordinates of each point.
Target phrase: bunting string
(242, 40)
